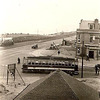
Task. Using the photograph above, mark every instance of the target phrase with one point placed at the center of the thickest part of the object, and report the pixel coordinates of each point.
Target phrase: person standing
(97, 69)
(87, 57)
(18, 60)
(58, 52)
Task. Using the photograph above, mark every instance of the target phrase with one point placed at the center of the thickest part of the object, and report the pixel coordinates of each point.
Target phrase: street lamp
(82, 59)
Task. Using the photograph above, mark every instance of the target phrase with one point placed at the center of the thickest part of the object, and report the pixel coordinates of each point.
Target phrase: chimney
(96, 24)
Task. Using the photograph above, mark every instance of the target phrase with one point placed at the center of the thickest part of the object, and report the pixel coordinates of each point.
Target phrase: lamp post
(82, 59)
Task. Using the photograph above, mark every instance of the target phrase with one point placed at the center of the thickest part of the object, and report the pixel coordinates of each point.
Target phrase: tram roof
(52, 58)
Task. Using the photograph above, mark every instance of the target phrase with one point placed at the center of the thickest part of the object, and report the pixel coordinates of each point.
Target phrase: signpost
(11, 69)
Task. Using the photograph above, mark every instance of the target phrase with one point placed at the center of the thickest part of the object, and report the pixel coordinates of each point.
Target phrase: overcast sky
(45, 16)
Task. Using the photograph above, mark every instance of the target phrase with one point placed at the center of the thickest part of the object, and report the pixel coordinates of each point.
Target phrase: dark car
(35, 46)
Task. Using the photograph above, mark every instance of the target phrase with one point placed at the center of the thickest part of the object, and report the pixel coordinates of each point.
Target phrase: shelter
(58, 86)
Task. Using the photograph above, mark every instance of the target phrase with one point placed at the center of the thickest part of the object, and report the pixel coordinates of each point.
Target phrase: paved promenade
(90, 63)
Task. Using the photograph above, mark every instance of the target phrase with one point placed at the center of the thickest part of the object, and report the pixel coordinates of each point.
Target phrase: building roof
(58, 86)
(84, 24)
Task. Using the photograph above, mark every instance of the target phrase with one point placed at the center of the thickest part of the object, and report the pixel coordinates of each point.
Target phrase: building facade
(88, 39)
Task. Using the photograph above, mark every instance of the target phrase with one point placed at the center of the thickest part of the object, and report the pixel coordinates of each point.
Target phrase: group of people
(97, 67)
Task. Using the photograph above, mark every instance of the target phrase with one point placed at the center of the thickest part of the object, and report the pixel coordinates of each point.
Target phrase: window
(99, 52)
(91, 38)
(99, 39)
(79, 38)
(78, 50)
(91, 26)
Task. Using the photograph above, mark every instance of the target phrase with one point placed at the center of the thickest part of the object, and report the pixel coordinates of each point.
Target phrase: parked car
(35, 46)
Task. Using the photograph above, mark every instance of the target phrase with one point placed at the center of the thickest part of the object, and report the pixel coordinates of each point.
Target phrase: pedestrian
(58, 52)
(97, 69)
(87, 57)
(23, 58)
(18, 60)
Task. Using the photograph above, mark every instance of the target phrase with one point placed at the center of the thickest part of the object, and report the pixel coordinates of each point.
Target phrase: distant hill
(62, 34)
(35, 37)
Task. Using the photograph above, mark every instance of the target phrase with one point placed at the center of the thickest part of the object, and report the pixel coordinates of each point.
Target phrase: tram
(46, 64)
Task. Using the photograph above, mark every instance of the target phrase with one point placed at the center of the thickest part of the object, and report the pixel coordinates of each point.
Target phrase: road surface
(9, 55)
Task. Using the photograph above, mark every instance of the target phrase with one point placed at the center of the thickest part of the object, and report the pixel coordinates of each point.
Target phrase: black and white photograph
(49, 49)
